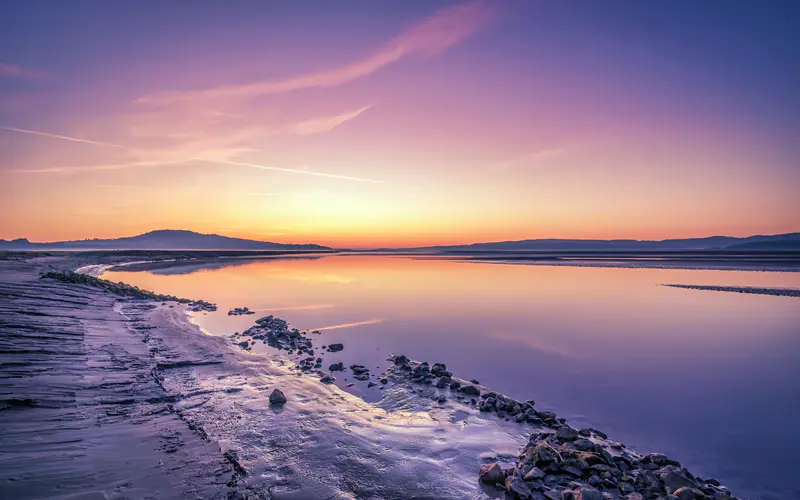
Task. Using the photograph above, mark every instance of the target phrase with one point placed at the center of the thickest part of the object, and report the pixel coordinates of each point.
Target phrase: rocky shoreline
(197, 396)
(780, 292)
(558, 463)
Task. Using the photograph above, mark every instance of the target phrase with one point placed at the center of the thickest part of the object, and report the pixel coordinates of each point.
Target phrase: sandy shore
(108, 397)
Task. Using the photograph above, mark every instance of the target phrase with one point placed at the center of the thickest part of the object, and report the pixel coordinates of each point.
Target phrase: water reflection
(710, 378)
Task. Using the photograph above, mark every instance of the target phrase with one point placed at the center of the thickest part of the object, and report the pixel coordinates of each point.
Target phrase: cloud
(325, 123)
(11, 71)
(63, 137)
(161, 162)
(95, 168)
(528, 159)
(438, 32)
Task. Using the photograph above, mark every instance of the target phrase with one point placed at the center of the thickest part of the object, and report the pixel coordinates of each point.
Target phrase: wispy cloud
(262, 194)
(11, 71)
(156, 163)
(438, 32)
(528, 159)
(95, 168)
(64, 137)
(325, 123)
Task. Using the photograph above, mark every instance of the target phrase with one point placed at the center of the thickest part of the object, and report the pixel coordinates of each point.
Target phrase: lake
(710, 378)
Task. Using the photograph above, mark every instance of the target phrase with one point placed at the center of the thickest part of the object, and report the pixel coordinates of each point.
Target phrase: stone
(400, 360)
(492, 474)
(587, 493)
(687, 493)
(384, 381)
(471, 390)
(584, 444)
(517, 488)
(277, 397)
(336, 367)
(327, 379)
(454, 386)
(335, 347)
(535, 473)
(359, 369)
(674, 480)
(566, 433)
(634, 496)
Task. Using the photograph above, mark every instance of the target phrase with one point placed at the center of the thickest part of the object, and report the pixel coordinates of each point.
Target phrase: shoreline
(217, 392)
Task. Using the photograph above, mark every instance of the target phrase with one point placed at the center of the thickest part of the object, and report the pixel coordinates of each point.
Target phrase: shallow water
(710, 378)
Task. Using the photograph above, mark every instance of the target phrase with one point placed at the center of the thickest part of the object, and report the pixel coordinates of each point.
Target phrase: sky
(371, 124)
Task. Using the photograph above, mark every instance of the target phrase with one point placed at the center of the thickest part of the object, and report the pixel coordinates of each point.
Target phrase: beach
(107, 396)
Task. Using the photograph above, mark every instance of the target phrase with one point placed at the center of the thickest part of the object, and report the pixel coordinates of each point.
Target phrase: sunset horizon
(446, 122)
(390, 250)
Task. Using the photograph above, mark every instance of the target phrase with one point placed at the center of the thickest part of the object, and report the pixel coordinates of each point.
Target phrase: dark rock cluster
(276, 333)
(571, 464)
(117, 288)
(240, 311)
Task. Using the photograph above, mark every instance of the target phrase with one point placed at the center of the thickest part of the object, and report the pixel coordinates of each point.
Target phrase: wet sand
(105, 398)
(109, 397)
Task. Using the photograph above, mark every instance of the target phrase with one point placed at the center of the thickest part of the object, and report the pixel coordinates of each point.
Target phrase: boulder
(517, 488)
(277, 397)
(492, 474)
(335, 347)
(686, 493)
(471, 390)
(336, 367)
(675, 480)
(567, 433)
(533, 474)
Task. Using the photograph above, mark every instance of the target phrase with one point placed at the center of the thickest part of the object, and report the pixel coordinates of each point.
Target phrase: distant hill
(165, 239)
(789, 241)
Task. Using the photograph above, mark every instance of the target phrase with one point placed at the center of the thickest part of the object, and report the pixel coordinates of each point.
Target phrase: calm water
(709, 378)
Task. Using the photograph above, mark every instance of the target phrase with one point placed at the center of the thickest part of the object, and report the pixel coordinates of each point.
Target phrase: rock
(400, 360)
(336, 367)
(517, 488)
(535, 473)
(634, 496)
(475, 382)
(439, 368)
(686, 493)
(384, 381)
(277, 397)
(584, 444)
(587, 493)
(359, 369)
(492, 474)
(471, 390)
(327, 379)
(371, 384)
(674, 480)
(335, 347)
(566, 433)
(454, 386)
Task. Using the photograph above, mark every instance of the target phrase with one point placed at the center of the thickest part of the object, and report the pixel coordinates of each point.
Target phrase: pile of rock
(276, 333)
(202, 305)
(118, 288)
(571, 464)
(240, 311)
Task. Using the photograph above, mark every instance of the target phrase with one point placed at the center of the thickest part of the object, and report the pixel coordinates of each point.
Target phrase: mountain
(789, 241)
(165, 239)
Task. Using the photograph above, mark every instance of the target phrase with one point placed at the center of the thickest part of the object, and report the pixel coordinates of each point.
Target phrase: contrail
(64, 137)
(194, 158)
(308, 172)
